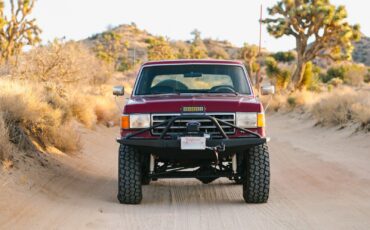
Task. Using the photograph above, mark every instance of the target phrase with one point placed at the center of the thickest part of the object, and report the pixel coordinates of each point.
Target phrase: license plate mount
(193, 143)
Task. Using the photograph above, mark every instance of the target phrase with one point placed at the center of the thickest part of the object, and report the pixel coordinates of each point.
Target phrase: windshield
(192, 79)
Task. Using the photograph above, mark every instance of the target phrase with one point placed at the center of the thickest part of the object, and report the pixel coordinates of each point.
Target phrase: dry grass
(7, 164)
(286, 102)
(43, 115)
(67, 63)
(342, 106)
(6, 148)
(339, 107)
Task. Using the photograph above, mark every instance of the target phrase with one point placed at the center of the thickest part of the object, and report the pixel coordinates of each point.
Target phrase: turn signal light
(125, 122)
(261, 120)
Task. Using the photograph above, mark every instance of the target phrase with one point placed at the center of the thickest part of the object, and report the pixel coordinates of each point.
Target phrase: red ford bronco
(193, 119)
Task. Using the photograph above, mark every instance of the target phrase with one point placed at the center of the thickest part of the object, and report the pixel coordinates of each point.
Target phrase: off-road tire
(257, 178)
(129, 176)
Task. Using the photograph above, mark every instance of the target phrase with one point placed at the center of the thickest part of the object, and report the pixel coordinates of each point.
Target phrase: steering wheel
(223, 89)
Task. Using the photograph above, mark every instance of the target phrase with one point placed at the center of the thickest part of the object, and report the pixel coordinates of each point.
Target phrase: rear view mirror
(118, 90)
(193, 74)
(268, 90)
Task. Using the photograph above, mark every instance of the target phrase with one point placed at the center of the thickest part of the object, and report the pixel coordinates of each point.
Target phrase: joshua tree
(197, 49)
(319, 28)
(16, 30)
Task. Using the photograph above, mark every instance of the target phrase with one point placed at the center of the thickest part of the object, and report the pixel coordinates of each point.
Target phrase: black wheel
(129, 176)
(257, 178)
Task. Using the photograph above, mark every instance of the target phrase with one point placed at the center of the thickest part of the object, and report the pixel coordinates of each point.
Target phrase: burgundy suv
(193, 119)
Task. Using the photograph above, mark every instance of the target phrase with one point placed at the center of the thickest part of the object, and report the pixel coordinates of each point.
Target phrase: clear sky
(233, 20)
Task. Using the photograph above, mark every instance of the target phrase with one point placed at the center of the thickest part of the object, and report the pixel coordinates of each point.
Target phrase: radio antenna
(258, 76)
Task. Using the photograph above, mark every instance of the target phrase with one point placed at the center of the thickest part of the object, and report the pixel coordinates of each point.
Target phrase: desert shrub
(342, 106)
(292, 101)
(181, 49)
(367, 77)
(66, 63)
(112, 48)
(6, 148)
(335, 82)
(43, 115)
(334, 72)
(29, 118)
(284, 56)
(361, 112)
(279, 77)
(106, 111)
(275, 103)
(217, 52)
(350, 74)
(159, 49)
(354, 74)
(303, 99)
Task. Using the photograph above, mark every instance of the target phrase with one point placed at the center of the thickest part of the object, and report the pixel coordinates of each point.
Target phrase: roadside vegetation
(52, 90)
(47, 94)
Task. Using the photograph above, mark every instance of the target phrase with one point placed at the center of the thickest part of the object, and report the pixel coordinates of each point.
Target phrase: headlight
(135, 121)
(139, 121)
(250, 120)
(246, 120)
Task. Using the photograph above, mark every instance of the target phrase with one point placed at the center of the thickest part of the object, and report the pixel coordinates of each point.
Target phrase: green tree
(284, 56)
(16, 29)
(280, 77)
(197, 49)
(160, 49)
(313, 20)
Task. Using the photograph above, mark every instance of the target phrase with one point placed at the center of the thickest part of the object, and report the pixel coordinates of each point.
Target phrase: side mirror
(268, 90)
(118, 90)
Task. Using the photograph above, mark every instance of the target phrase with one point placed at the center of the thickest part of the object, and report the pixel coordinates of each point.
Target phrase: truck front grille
(179, 126)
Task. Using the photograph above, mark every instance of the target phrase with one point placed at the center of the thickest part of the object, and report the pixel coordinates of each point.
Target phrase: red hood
(174, 103)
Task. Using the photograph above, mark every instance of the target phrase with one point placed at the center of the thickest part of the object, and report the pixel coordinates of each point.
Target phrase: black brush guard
(172, 143)
(168, 149)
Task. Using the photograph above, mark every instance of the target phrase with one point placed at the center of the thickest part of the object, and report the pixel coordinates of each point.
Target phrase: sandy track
(320, 180)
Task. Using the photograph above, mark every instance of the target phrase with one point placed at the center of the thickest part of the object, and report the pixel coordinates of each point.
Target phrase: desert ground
(320, 180)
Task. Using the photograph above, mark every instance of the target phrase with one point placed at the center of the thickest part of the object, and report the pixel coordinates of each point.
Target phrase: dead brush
(342, 106)
(31, 119)
(6, 148)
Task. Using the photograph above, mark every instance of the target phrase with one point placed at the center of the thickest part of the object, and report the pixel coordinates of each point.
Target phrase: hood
(174, 103)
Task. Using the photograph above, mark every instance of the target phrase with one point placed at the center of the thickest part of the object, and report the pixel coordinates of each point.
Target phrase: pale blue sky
(234, 20)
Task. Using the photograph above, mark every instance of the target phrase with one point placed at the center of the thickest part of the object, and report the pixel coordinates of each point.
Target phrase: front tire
(129, 176)
(256, 185)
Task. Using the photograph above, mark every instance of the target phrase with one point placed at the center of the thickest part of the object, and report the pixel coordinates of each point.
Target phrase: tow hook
(216, 150)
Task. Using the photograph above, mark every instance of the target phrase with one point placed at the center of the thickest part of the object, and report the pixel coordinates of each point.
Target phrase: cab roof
(193, 61)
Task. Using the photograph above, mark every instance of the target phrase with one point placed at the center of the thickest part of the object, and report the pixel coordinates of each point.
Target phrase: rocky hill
(361, 53)
(135, 43)
(131, 44)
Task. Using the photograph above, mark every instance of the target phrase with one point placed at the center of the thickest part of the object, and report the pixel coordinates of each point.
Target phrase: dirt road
(320, 180)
